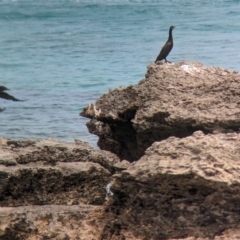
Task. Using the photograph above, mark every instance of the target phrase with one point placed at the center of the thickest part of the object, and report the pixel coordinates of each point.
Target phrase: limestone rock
(173, 100)
(52, 190)
(58, 222)
(181, 123)
(180, 189)
(51, 172)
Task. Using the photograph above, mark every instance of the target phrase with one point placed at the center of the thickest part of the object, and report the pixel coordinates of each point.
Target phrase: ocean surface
(60, 55)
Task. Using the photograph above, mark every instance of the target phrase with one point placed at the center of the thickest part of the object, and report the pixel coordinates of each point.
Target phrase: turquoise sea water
(60, 55)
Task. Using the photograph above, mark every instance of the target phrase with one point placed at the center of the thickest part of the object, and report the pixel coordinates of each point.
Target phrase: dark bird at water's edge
(167, 47)
(5, 95)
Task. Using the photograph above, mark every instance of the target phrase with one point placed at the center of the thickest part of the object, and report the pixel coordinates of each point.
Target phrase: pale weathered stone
(187, 187)
(181, 124)
(56, 222)
(173, 100)
(52, 172)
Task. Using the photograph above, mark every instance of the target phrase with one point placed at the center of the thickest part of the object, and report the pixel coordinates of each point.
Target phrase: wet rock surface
(173, 100)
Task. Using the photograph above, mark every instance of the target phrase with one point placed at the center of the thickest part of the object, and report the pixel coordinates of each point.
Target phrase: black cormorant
(5, 95)
(167, 47)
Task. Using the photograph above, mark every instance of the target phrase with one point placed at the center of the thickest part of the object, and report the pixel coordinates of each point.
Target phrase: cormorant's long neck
(170, 38)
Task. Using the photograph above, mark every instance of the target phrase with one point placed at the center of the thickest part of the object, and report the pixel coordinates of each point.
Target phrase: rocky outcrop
(172, 100)
(51, 172)
(58, 222)
(49, 189)
(181, 188)
(180, 123)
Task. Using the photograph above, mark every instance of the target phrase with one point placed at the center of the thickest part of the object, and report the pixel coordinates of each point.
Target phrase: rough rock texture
(185, 184)
(186, 189)
(173, 100)
(181, 188)
(49, 222)
(52, 190)
(51, 172)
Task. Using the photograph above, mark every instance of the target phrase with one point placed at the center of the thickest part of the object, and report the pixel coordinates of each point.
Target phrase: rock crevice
(173, 100)
(179, 129)
(51, 172)
(179, 188)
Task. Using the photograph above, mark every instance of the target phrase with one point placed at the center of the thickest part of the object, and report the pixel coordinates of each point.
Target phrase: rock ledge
(173, 100)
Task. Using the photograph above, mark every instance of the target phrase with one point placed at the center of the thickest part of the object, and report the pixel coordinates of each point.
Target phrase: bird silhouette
(7, 96)
(166, 48)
